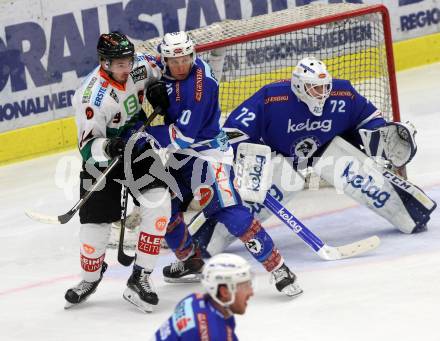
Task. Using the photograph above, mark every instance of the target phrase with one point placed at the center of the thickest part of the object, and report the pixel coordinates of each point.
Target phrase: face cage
(310, 88)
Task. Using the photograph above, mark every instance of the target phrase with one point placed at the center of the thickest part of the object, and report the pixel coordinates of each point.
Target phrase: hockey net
(354, 40)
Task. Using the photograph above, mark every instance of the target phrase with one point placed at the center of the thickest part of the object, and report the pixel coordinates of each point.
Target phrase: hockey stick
(253, 170)
(323, 250)
(123, 258)
(64, 218)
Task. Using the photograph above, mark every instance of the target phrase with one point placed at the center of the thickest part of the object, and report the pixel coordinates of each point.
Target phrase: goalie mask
(176, 44)
(225, 269)
(312, 84)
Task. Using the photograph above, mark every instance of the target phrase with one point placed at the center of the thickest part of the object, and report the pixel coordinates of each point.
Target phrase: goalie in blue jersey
(312, 120)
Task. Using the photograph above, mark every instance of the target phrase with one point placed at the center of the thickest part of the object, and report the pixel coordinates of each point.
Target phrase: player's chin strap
(394, 142)
(253, 173)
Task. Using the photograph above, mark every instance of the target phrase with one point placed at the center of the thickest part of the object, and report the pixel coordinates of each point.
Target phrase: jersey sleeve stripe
(374, 115)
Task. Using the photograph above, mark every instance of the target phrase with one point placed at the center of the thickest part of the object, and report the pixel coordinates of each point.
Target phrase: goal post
(354, 40)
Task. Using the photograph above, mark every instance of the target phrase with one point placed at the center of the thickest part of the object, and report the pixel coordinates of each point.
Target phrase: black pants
(104, 205)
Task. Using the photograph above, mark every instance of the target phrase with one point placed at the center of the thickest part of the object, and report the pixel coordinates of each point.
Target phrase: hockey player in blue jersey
(302, 119)
(201, 159)
(227, 278)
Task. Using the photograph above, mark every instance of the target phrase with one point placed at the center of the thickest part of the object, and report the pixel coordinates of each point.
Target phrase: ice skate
(184, 271)
(285, 281)
(83, 290)
(140, 291)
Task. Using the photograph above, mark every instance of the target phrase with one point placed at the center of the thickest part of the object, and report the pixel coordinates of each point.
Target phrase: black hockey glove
(158, 97)
(115, 147)
(141, 115)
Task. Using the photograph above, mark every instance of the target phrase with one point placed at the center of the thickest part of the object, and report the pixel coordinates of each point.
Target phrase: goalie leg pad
(153, 226)
(220, 240)
(93, 239)
(419, 209)
(404, 205)
(212, 238)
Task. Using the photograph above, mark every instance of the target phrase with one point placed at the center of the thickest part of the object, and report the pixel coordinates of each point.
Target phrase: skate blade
(133, 298)
(292, 291)
(69, 305)
(186, 279)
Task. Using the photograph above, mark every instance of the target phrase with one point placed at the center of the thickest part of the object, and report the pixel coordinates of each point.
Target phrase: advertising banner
(47, 47)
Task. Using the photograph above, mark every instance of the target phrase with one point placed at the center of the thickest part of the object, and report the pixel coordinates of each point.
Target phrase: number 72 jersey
(276, 117)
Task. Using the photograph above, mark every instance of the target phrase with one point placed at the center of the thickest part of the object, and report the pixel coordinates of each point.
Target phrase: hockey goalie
(316, 121)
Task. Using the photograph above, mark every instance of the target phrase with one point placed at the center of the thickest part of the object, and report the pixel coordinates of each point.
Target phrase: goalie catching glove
(394, 142)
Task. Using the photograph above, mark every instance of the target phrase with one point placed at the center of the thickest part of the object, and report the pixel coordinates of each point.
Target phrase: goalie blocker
(351, 172)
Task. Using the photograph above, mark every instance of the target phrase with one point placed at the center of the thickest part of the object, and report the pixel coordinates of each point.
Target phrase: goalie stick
(322, 249)
(64, 218)
(253, 170)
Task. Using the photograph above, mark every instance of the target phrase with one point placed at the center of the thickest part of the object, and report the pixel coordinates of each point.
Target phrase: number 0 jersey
(193, 118)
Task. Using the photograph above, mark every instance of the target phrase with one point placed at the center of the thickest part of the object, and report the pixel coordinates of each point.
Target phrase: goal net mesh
(353, 48)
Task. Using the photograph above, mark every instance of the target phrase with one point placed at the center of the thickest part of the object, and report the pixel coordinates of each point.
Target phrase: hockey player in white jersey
(302, 120)
(109, 102)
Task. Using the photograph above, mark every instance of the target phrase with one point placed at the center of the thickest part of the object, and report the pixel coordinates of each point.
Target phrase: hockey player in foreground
(202, 159)
(107, 104)
(227, 278)
(302, 120)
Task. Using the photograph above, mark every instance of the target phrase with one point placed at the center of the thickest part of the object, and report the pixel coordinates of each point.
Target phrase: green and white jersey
(103, 106)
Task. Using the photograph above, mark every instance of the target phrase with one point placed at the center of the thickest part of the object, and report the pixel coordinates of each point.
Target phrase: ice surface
(392, 293)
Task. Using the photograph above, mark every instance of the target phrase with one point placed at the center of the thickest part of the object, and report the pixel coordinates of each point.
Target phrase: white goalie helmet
(312, 83)
(227, 269)
(176, 44)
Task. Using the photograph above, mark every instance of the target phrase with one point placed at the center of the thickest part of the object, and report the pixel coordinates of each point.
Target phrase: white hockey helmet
(309, 74)
(176, 44)
(227, 269)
